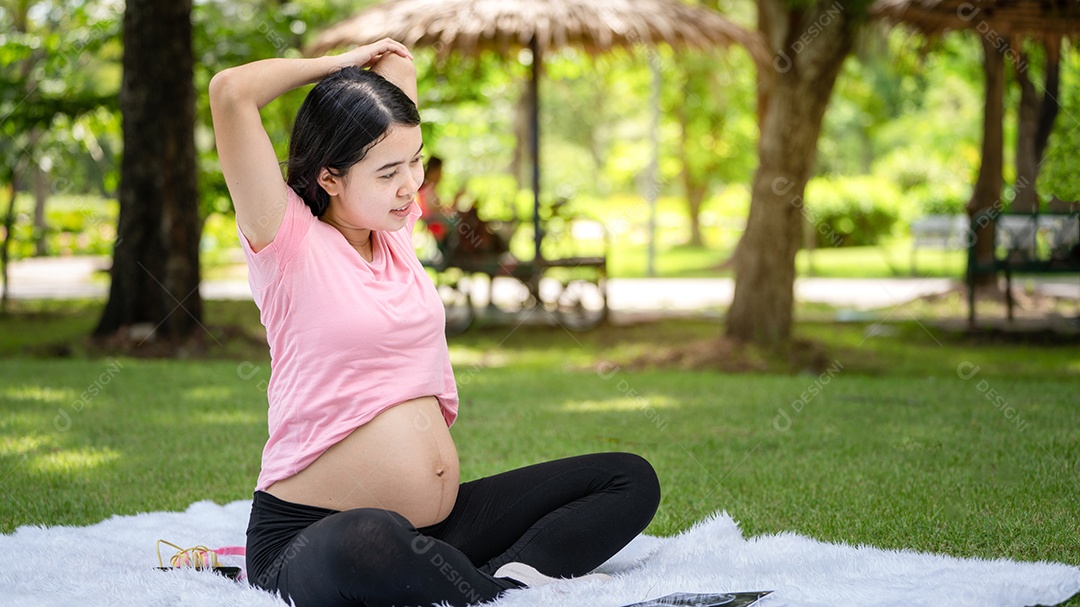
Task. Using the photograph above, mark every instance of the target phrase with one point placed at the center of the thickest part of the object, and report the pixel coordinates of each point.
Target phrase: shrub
(948, 198)
(851, 211)
(931, 184)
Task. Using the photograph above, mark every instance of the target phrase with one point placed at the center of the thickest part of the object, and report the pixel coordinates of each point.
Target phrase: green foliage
(870, 92)
(710, 98)
(851, 211)
(907, 112)
(949, 198)
(76, 225)
(468, 97)
(58, 61)
(1060, 174)
(218, 244)
(928, 187)
(59, 75)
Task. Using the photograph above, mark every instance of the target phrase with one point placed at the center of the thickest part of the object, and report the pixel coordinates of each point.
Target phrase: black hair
(341, 119)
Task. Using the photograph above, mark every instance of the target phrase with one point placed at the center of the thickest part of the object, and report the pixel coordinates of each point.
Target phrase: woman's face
(378, 192)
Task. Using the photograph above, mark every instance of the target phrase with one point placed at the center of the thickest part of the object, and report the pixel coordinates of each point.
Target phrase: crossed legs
(563, 517)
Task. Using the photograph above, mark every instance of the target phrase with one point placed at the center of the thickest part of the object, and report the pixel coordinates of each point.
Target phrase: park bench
(938, 232)
(1044, 242)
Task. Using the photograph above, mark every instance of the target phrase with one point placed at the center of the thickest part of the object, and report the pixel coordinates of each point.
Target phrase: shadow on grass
(85, 439)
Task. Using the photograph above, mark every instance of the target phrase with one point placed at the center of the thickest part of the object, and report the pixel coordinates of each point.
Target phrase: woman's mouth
(402, 210)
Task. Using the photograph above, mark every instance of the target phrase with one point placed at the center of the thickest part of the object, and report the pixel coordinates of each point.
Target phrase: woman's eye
(388, 175)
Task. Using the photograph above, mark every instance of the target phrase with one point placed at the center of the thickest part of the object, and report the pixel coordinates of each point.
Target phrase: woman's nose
(410, 187)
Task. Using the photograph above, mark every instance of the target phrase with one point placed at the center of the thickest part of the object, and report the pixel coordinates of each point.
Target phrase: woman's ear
(333, 184)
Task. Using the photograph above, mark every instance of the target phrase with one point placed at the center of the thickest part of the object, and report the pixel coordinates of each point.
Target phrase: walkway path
(83, 277)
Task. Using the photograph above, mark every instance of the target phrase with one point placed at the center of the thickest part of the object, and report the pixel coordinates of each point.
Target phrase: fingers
(368, 55)
(388, 45)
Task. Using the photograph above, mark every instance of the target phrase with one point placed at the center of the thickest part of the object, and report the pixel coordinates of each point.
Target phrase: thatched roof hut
(1006, 18)
(472, 26)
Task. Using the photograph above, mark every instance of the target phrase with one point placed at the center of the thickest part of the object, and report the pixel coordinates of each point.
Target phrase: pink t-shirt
(348, 338)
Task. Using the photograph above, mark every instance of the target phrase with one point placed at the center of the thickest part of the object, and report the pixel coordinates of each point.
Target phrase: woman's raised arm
(247, 157)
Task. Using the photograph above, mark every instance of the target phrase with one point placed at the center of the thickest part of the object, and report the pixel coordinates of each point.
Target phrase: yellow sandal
(199, 558)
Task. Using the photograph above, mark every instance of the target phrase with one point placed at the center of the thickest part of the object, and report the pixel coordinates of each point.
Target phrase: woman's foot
(528, 575)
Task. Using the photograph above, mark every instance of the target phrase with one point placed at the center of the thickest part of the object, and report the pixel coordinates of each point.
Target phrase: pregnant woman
(359, 500)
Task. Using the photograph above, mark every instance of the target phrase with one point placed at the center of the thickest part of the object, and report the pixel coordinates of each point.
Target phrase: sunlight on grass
(462, 357)
(626, 403)
(214, 394)
(74, 460)
(19, 445)
(41, 394)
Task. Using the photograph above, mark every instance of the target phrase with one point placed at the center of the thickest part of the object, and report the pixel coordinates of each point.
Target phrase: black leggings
(564, 517)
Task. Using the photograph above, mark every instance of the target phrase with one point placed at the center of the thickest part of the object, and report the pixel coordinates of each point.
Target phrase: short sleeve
(265, 266)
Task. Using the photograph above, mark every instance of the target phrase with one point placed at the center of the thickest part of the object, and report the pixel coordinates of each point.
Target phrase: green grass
(892, 448)
(43, 325)
(890, 260)
(678, 261)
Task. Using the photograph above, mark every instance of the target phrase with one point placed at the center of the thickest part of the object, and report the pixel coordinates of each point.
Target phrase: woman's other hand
(368, 55)
(397, 68)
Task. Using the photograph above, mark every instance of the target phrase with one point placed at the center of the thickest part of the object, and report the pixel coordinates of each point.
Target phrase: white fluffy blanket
(112, 563)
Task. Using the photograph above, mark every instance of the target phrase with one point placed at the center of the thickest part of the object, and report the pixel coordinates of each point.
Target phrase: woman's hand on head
(370, 54)
(398, 69)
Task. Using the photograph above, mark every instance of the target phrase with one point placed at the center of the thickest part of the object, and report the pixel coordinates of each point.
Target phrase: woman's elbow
(222, 87)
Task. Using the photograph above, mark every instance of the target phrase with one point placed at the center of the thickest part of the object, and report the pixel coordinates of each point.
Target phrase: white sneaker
(532, 578)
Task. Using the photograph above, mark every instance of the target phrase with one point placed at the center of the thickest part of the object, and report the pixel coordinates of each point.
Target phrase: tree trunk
(521, 137)
(986, 196)
(41, 188)
(1051, 103)
(5, 247)
(695, 198)
(41, 225)
(155, 271)
(811, 45)
(1027, 118)
(15, 175)
(695, 188)
(1035, 121)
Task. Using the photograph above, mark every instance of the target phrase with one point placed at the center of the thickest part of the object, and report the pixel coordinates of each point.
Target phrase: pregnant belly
(403, 460)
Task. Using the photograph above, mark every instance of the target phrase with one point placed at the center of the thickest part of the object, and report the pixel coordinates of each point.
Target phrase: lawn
(890, 260)
(905, 438)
